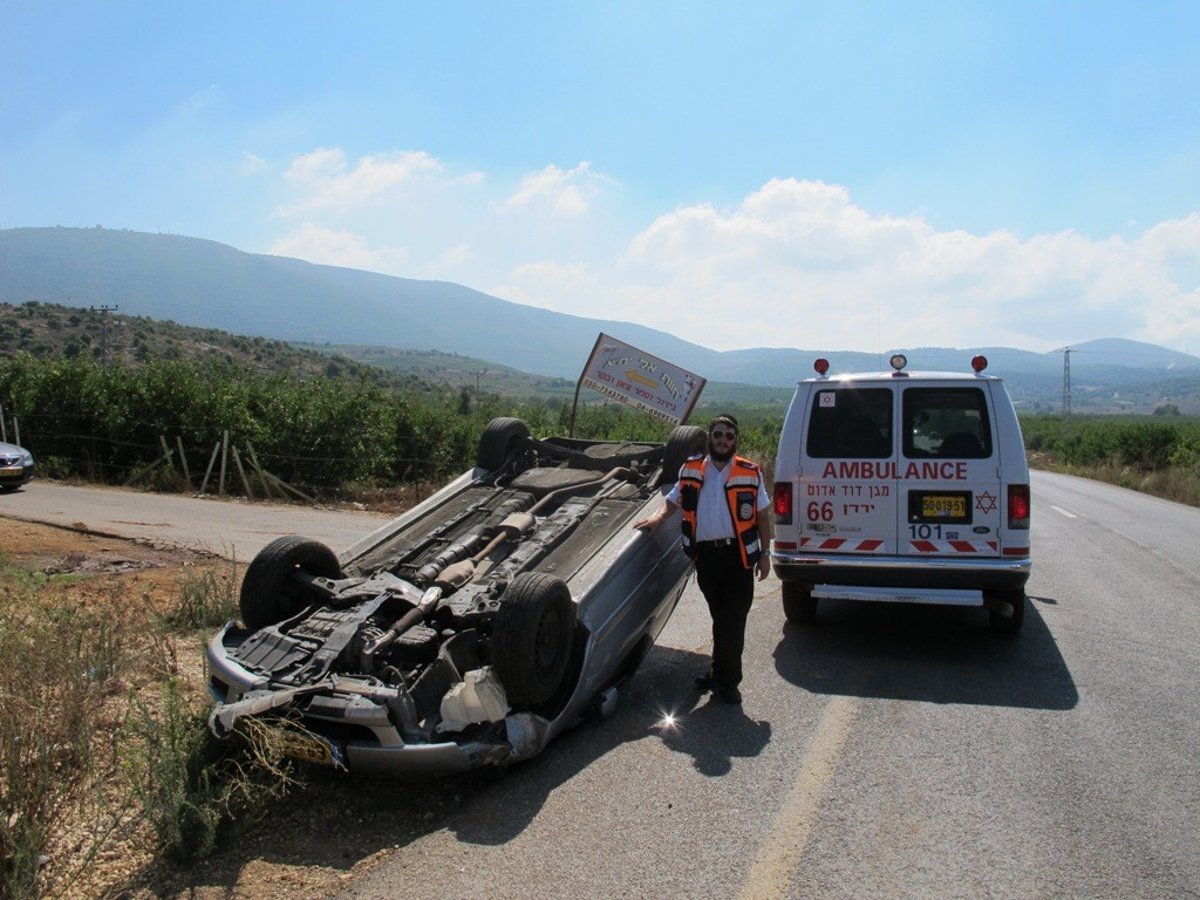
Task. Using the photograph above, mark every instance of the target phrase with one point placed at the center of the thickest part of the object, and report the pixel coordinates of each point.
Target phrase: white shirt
(713, 522)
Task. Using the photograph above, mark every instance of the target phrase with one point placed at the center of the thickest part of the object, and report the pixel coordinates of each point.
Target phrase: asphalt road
(883, 751)
(223, 526)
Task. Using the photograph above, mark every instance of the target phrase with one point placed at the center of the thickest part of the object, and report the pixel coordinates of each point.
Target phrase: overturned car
(472, 629)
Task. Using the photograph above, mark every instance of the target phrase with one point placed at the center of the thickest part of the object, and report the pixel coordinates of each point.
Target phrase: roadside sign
(631, 376)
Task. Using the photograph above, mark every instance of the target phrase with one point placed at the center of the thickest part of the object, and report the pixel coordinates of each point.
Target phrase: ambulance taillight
(783, 503)
(1018, 506)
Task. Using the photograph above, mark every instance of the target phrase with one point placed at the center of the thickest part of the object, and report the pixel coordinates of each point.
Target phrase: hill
(390, 322)
(203, 283)
(49, 329)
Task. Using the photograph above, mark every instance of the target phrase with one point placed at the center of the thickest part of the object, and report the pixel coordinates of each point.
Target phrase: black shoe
(731, 695)
(706, 682)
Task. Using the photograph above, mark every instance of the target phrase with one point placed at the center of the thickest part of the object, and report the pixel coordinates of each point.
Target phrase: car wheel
(531, 638)
(684, 441)
(269, 594)
(1007, 624)
(498, 440)
(799, 605)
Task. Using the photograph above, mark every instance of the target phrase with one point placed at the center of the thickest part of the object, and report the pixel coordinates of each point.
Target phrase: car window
(948, 423)
(847, 423)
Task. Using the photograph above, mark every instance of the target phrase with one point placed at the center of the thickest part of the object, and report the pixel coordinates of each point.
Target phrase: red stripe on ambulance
(865, 545)
(954, 546)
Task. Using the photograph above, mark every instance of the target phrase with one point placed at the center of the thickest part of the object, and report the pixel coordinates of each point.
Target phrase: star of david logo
(985, 502)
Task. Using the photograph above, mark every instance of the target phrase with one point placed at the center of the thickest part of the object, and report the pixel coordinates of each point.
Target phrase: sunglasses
(729, 435)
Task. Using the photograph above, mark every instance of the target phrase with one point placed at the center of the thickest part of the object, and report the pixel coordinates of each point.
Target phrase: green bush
(320, 434)
(1141, 452)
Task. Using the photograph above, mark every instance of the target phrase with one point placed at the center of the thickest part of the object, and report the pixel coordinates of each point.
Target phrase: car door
(950, 500)
(847, 486)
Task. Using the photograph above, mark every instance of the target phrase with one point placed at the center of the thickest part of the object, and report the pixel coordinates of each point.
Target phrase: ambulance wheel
(269, 594)
(531, 638)
(799, 605)
(1010, 623)
(498, 441)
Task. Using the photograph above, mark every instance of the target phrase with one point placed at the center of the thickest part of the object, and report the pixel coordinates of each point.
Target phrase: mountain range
(207, 284)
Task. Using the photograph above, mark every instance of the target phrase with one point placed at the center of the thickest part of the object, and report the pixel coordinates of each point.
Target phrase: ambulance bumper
(901, 571)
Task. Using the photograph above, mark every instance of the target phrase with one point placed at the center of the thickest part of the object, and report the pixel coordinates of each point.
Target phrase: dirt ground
(313, 842)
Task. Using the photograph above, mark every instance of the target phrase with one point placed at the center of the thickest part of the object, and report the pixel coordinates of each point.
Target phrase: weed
(207, 599)
(165, 760)
(191, 786)
(48, 718)
(102, 650)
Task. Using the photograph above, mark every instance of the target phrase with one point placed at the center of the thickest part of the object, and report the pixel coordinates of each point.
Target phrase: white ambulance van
(905, 487)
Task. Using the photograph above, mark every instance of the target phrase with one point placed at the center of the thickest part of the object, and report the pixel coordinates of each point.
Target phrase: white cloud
(567, 193)
(797, 264)
(201, 99)
(451, 260)
(321, 164)
(252, 164)
(794, 264)
(328, 183)
(338, 248)
(564, 287)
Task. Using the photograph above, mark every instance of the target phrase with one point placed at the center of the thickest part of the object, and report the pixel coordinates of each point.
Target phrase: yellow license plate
(934, 506)
(12, 470)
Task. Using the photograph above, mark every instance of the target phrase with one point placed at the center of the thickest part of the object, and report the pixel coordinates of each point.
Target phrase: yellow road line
(790, 831)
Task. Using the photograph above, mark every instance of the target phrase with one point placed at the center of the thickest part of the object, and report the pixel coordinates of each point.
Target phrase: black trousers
(728, 587)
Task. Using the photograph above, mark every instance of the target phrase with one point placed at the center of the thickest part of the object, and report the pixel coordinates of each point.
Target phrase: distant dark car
(473, 628)
(16, 466)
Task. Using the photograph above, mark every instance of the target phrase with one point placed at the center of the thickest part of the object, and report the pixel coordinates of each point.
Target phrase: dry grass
(1180, 484)
(106, 767)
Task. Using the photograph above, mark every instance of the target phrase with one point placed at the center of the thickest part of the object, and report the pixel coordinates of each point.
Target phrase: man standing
(726, 525)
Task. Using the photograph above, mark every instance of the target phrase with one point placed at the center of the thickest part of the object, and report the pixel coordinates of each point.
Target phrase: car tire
(683, 442)
(498, 441)
(799, 605)
(1010, 624)
(531, 638)
(269, 594)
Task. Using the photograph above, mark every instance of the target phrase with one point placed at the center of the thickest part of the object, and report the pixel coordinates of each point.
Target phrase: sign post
(623, 373)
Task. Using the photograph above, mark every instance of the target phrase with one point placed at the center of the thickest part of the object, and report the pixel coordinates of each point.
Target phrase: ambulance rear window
(946, 423)
(846, 423)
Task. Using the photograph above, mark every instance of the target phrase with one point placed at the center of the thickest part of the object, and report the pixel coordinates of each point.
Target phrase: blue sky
(824, 176)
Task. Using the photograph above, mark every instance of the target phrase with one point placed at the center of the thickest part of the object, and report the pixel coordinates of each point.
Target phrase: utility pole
(104, 311)
(477, 374)
(1066, 387)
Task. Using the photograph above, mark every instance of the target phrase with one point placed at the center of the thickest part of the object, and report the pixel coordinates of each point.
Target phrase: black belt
(720, 542)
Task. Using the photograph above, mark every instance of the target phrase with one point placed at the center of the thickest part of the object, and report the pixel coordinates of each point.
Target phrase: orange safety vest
(741, 493)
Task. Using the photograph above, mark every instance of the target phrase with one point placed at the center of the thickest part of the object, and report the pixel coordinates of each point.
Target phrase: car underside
(469, 630)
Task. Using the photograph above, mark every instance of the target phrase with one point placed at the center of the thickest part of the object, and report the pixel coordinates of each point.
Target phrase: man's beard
(720, 455)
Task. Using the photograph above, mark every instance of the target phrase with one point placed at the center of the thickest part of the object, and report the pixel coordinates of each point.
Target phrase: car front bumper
(15, 476)
(347, 727)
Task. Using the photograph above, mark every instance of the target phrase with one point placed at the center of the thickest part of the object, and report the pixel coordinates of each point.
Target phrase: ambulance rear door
(847, 489)
(950, 501)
